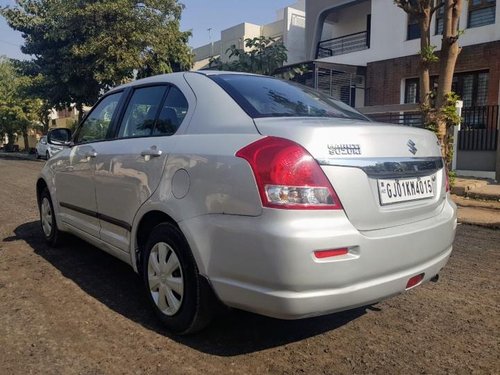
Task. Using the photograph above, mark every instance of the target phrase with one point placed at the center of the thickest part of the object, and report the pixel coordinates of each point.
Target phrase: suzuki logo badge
(411, 147)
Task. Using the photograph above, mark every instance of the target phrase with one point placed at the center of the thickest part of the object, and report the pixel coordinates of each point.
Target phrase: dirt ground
(77, 310)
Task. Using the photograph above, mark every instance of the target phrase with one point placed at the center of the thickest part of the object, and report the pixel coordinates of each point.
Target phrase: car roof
(173, 77)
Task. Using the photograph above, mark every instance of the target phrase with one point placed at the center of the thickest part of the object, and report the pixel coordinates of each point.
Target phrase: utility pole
(210, 41)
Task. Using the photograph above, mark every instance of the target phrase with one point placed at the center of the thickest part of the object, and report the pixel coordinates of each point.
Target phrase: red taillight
(288, 176)
(321, 254)
(415, 280)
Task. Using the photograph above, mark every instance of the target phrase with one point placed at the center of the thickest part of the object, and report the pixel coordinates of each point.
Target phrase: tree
(263, 56)
(82, 47)
(17, 112)
(439, 114)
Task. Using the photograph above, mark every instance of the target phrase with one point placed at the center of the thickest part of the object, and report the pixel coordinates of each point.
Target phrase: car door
(74, 177)
(129, 168)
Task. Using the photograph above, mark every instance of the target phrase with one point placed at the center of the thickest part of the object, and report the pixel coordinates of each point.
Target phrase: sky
(198, 16)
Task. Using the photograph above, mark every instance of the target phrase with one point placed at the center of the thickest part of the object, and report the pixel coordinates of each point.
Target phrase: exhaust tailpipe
(435, 279)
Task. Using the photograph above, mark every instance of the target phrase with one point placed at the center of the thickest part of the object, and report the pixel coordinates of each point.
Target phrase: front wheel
(48, 219)
(173, 285)
(47, 155)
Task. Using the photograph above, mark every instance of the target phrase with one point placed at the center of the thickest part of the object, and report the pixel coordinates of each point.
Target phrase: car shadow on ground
(116, 285)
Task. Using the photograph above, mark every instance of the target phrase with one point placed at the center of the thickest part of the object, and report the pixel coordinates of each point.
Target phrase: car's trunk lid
(361, 159)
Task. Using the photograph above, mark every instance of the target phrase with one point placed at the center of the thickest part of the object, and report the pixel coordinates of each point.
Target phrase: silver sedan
(252, 192)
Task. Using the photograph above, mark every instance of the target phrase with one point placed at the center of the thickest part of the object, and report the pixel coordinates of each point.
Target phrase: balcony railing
(344, 44)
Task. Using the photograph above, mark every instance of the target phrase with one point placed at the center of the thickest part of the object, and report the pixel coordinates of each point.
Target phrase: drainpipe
(456, 129)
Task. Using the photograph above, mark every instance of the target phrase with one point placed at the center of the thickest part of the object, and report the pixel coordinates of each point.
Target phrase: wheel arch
(144, 227)
(41, 184)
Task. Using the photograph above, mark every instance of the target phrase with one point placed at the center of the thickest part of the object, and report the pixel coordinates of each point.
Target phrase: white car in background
(42, 148)
(46, 150)
(253, 191)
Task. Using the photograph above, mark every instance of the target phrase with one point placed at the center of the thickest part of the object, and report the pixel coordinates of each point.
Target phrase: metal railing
(414, 119)
(344, 44)
(479, 128)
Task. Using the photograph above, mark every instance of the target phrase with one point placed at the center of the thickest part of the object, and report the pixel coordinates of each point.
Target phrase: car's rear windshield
(272, 97)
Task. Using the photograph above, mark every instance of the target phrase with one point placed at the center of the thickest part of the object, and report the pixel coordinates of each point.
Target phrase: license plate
(406, 189)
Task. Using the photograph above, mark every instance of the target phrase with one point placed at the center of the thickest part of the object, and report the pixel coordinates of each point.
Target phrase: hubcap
(46, 215)
(165, 278)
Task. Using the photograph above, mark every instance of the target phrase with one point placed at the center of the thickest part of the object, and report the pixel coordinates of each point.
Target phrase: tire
(47, 155)
(173, 285)
(48, 220)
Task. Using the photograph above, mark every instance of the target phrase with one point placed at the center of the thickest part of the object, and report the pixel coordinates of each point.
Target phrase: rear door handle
(152, 152)
(91, 154)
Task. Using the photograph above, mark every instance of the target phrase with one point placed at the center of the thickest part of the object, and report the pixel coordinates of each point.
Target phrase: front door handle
(152, 152)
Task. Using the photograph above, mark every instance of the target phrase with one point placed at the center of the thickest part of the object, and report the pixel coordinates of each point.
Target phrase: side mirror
(59, 137)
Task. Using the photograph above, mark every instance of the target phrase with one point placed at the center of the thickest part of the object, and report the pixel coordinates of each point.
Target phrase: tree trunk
(26, 141)
(425, 81)
(79, 108)
(448, 59)
(11, 139)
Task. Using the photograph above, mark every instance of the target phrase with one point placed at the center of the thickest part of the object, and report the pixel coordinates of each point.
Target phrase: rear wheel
(173, 285)
(48, 220)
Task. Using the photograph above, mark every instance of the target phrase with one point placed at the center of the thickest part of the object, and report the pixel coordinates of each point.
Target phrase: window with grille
(412, 92)
(439, 20)
(472, 87)
(481, 12)
(413, 31)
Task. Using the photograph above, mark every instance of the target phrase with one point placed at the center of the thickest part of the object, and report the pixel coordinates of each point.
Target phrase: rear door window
(141, 113)
(172, 114)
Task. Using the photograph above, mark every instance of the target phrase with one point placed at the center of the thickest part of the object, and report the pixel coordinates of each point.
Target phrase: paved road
(77, 310)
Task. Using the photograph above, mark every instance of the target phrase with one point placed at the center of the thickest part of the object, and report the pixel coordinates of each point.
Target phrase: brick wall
(383, 80)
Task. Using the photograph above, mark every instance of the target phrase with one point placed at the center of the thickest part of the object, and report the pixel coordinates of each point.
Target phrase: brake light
(287, 176)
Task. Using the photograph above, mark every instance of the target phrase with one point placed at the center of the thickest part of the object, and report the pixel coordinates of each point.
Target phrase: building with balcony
(381, 43)
(288, 28)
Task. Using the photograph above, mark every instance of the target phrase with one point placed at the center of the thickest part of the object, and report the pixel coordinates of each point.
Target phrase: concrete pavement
(478, 201)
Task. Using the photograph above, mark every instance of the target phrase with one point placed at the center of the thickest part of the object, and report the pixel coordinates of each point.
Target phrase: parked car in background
(251, 191)
(42, 149)
(45, 150)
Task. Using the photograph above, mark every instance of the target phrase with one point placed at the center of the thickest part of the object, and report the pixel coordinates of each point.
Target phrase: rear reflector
(321, 254)
(415, 280)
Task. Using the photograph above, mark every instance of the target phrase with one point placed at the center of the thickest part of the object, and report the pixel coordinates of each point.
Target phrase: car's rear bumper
(266, 264)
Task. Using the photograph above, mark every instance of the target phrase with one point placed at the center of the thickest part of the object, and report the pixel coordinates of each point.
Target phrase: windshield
(270, 97)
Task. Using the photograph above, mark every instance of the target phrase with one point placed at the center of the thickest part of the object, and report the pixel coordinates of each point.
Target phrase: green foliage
(448, 115)
(428, 54)
(83, 47)
(449, 109)
(17, 112)
(261, 55)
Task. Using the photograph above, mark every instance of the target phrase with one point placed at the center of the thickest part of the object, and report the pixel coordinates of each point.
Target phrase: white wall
(347, 21)
(295, 34)
(388, 34)
(290, 26)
